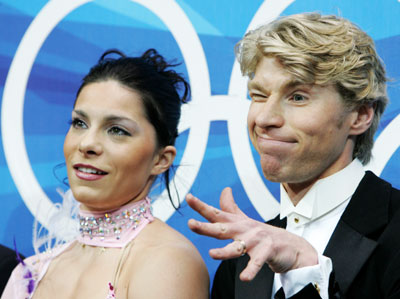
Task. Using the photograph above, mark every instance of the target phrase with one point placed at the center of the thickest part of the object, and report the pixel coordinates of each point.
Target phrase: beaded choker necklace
(116, 228)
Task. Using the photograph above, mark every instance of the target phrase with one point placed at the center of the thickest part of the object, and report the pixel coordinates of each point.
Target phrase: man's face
(300, 131)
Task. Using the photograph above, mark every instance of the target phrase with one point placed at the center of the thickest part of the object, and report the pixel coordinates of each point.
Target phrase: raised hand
(281, 250)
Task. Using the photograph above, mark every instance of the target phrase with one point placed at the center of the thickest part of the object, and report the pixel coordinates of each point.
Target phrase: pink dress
(104, 229)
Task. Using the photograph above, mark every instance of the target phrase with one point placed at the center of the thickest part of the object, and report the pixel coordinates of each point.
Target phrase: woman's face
(110, 149)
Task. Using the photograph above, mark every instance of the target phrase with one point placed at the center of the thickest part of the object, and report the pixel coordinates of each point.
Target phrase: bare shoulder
(170, 265)
(159, 233)
(168, 247)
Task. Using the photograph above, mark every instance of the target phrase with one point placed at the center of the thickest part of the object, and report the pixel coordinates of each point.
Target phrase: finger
(232, 250)
(209, 212)
(217, 230)
(258, 258)
(253, 267)
(228, 204)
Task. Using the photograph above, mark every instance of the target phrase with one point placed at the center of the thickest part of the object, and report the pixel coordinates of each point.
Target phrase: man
(318, 89)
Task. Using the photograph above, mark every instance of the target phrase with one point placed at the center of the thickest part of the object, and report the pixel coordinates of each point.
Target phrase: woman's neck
(115, 228)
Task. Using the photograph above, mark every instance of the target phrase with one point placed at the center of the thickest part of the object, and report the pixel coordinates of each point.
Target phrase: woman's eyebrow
(119, 119)
(116, 118)
(80, 113)
(107, 118)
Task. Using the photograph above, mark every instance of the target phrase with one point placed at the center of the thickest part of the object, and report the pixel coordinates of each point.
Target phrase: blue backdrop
(46, 47)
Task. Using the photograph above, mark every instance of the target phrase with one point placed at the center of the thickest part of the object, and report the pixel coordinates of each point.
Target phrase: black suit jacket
(8, 261)
(364, 248)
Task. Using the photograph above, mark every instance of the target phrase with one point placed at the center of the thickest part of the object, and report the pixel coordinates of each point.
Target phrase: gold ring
(243, 248)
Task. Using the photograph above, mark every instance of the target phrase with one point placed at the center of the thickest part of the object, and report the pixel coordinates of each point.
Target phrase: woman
(7, 264)
(122, 135)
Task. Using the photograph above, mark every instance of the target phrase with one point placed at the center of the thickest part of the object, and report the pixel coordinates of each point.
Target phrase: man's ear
(364, 115)
(163, 159)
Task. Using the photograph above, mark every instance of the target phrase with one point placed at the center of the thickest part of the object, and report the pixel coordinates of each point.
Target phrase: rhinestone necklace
(115, 228)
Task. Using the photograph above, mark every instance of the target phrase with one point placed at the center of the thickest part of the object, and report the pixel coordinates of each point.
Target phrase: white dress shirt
(314, 218)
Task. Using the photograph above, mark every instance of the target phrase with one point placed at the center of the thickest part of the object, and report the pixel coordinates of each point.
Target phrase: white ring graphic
(14, 92)
(13, 104)
(196, 116)
(262, 200)
(189, 43)
(259, 195)
(385, 146)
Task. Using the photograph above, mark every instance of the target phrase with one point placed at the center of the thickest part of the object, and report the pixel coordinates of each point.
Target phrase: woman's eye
(118, 131)
(78, 124)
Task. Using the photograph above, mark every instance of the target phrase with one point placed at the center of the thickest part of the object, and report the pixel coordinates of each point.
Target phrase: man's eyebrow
(293, 83)
(287, 85)
(254, 85)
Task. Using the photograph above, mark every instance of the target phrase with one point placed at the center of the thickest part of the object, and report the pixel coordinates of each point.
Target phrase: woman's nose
(90, 144)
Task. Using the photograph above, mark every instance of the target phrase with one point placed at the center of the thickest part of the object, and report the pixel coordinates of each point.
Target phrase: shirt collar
(326, 194)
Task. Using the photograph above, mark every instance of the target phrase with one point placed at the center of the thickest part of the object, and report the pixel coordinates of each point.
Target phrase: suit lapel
(351, 243)
(261, 285)
(348, 250)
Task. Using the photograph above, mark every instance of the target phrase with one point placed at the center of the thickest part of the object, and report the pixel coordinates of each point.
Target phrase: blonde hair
(323, 50)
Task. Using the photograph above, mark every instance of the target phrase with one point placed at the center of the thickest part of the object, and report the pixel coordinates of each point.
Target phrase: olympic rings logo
(196, 116)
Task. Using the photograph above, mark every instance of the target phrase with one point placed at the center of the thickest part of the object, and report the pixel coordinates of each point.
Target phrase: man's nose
(270, 113)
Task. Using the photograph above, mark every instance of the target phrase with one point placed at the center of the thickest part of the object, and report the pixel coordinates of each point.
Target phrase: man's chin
(272, 168)
(273, 177)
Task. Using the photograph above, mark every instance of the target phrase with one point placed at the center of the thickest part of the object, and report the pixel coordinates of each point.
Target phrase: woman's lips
(88, 172)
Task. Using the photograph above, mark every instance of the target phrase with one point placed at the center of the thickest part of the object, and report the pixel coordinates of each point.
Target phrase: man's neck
(296, 191)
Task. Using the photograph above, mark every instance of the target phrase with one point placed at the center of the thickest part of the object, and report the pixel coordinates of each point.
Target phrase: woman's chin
(91, 200)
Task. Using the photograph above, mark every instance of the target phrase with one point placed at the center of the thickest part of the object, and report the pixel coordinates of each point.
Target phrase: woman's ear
(363, 120)
(163, 160)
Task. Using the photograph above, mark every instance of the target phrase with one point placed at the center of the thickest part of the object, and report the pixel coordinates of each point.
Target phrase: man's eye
(118, 131)
(257, 97)
(298, 98)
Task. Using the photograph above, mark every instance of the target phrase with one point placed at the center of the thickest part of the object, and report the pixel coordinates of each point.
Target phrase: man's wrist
(295, 280)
